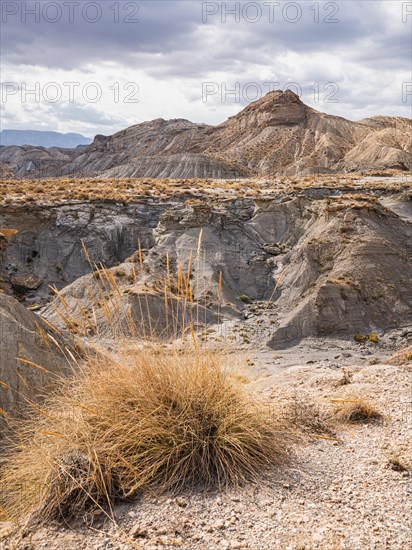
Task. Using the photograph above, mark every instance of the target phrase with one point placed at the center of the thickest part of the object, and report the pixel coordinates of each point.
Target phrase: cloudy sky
(97, 67)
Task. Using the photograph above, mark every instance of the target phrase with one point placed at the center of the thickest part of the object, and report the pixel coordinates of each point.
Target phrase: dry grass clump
(304, 541)
(6, 232)
(397, 459)
(143, 419)
(347, 378)
(401, 357)
(355, 408)
(306, 416)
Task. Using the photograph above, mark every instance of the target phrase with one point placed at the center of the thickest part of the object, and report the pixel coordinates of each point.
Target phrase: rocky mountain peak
(277, 107)
(278, 97)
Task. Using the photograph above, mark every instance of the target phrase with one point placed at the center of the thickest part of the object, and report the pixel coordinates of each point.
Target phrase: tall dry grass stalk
(117, 315)
(356, 408)
(143, 417)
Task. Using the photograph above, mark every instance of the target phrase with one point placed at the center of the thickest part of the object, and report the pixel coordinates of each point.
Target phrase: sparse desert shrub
(306, 416)
(397, 459)
(356, 409)
(402, 357)
(324, 268)
(242, 378)
(151, 419)
(372, 337)
(305, 542)
(347, 378)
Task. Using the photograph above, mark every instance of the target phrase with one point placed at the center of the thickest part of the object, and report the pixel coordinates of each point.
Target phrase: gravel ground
(337, 493)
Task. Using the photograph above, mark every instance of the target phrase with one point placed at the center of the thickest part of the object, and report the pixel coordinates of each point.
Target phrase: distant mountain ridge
(41, 138)
(275, 135)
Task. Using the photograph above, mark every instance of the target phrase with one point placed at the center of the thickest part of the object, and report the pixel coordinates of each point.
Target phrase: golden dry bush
(138, 420)
(398, 458)
(137, 415)
(306, 416)
(401, 357)
(356, 408)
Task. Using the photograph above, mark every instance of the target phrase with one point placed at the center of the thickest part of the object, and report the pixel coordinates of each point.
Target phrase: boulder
(24, 283)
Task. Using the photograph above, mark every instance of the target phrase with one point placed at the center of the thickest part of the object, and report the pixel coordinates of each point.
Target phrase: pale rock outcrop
(23, 335)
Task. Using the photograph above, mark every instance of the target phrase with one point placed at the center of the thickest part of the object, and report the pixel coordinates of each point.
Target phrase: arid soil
(341, 490)
(314, 310)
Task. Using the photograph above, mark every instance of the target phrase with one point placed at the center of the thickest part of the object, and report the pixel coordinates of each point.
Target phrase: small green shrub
(373, 337)
(244, 298)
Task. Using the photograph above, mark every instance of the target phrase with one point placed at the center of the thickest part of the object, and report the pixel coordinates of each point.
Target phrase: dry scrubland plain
(67, 189)
(221, 364)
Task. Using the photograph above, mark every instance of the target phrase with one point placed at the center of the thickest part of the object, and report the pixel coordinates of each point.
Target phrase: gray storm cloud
(361, 42)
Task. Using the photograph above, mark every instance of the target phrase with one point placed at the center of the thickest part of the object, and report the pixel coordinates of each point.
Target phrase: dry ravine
(256, 331)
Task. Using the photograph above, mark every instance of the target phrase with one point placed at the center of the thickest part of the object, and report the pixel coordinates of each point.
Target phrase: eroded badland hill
(306, 285)
(275, 135)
